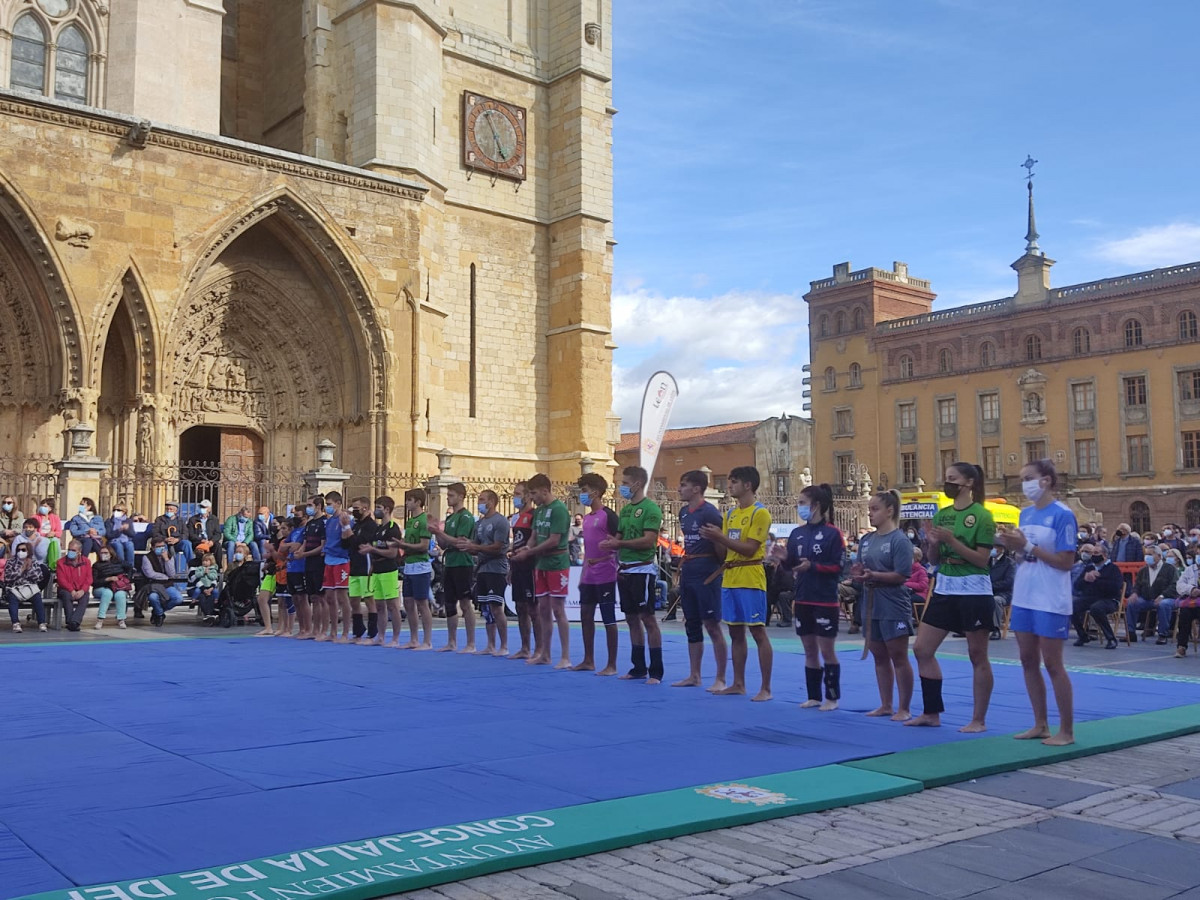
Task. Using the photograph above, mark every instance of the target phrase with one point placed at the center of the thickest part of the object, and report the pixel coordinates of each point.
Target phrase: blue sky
(761, 141)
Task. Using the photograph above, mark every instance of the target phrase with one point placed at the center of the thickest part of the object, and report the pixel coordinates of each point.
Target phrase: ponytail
(890, 499)
(975, 473)
(821, 496)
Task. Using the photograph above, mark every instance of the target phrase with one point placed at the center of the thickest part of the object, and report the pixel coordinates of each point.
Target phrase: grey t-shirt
(490, 530)
(891, 552)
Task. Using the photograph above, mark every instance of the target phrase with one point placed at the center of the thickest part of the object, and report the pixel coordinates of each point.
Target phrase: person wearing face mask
(363, 533)
(960, 544)
(418, 570)
(23, 580)
(265, 529)
(241, 582)
(1001, 570)
(384, 587)
(575, 541)
(459, 568)
(1096, 592)
(814, 557)
(1154, 595)
(49, 525)
(173, 533)
(1188, 589)
(1172, 536)
(38, 545)
(239, 529)
(204, 532)
(490, 546)
(297, 580)
(699, 595)
(86, 526)
(110, 581)
(10, 518)
(163, 569)
(520, 572)
(202, 585)
(118, 533)
(74, 578)
(1044, 546)
(313, 553)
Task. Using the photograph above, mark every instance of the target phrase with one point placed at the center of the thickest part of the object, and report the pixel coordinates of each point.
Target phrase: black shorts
(602, 595)
(489, 587)
(301, 583)
(522, 586)
(700, 601)
(819, 620)
(960, 612)
(637, 593)
(314, 577)
(457, 583)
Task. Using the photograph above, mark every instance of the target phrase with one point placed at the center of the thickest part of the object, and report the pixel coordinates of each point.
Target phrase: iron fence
(28, 480)
(145, 489)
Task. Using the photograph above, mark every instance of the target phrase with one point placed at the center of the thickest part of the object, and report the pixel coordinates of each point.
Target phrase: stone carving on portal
(77, 234)
(1033, 397)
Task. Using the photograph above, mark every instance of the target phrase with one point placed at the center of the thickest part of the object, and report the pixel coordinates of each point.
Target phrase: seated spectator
(266, 529)
(204, 531)
(10, 518)
(1172, 536)
(1095, 589)
(1188, 589)
(918, 581)
(24, 580)
(1003, 571)
(29, 535)
(141, 532)
(242, 575)
(87, 527)
(850, 591)
(110, 581)
(163, 569)
(1154, 593)
(202, 585)
(49, 525)
(1100, 535)
(239, 529)
(74, 577)
(118, 532)
(173, 533)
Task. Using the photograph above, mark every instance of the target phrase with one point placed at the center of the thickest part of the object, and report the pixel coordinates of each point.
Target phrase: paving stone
(1189, 788)
(1027, 787)
(1159, 861)
(1103, 837)
(849, 885)
(1009, 855)
(915, 873)
(1074, 883)
(581, 891)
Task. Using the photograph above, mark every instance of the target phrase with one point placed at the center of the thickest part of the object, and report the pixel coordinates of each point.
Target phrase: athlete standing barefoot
(418, 570)
(598, 583)
(700, 594)
(520, 574)
(1044, 548)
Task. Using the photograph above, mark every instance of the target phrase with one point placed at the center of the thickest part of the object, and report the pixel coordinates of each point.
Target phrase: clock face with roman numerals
(493, 136)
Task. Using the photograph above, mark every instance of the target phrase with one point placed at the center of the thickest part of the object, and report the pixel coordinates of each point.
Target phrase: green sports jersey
(552, 518)
(636, 519)
(416, 531)
(975, 527)
(459, 525)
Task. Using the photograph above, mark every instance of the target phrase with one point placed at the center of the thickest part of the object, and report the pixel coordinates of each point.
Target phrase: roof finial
(1031, 235)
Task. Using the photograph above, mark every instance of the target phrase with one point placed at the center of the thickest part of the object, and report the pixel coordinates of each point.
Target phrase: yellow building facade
(232, 230)
(1103, 378)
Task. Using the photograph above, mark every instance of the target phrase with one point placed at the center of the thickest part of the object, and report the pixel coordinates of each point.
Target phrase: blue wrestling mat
(128, 760)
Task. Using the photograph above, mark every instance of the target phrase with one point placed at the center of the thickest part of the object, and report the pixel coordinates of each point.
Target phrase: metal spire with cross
(1031, 235)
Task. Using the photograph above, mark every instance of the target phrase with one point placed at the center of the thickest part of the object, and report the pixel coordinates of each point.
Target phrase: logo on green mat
(744, 793)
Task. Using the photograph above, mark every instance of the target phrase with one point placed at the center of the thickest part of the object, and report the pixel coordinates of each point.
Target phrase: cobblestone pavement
(1124, 825)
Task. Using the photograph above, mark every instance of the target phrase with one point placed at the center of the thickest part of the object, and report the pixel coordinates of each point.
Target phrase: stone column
(326, 477)
(435, 487)
(711, 494)
(80, 472)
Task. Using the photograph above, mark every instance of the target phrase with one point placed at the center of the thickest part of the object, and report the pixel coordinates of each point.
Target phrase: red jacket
(74, 578)
(918, 581)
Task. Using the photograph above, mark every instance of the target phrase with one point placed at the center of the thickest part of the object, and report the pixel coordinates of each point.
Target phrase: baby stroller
(238, 595)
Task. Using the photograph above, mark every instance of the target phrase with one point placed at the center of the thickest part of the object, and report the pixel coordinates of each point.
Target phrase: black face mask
(297, 521)
(950, 489)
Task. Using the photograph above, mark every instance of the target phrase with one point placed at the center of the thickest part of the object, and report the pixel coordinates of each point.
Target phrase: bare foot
(502, 652)
(1059, 740)
(449, 648)
(487, 651)
(341, 640)
(717, 686)
(926, 720)
(520, 654)
(731, 690)
(880, 711)
(584, 666)
(537, 661)
(306, 636)
(762, 696)
(563, 664)
(902, 716)
(809, 704)
(653, 681)
(1035, 733)
(411, 645)
(266, 632)
(973, 727)
(426, 646)
(470, 648)
(396, 645)
(321, 637)
(608, 670)
(690, 681)
(631, 676)
(828, 706)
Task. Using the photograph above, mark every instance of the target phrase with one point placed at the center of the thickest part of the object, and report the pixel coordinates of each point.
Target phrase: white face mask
(1033, 489)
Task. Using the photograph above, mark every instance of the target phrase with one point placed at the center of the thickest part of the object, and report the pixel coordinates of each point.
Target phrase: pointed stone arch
(130, 288)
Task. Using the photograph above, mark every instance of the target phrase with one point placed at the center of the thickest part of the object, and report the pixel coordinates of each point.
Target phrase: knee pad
(695, 631)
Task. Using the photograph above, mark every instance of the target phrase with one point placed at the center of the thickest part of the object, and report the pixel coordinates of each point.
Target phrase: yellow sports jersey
(750, 524)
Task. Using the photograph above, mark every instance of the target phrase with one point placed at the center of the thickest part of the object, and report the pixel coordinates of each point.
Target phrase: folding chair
(919, 606)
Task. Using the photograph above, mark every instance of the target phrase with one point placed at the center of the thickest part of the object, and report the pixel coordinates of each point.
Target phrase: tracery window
(55, 51)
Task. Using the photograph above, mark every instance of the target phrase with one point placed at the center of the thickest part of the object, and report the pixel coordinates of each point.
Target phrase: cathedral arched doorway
(223, 465)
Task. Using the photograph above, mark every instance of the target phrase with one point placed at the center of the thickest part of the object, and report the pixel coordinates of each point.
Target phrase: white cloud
(1159, 245)
(736, 356)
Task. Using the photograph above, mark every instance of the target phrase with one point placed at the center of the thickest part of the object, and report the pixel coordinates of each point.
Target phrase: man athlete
(598, 582)
(548, 548)
(699, 593)
(458, 568)
(520, 574)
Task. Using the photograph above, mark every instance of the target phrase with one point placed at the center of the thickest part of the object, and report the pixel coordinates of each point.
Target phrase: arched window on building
(987, 354)
(1191, 514)
(1139, 517)
(1033, 347)
(1133, 333)
(859, 319)
(839, 322)
(823, 326)
(906, 366)
(1187, 325)
(945, 360)
(1081, 341)
(71, 66)
(28, 69)
(830, 379)
(855, 375)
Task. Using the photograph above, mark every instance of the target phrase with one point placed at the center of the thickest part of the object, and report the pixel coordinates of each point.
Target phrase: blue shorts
(419, 587)
(700, 601)
(1039, 622)
(743, 606)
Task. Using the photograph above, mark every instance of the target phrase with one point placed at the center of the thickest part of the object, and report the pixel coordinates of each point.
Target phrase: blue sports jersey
(335, 551)
(822, 545)
(296, 536)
